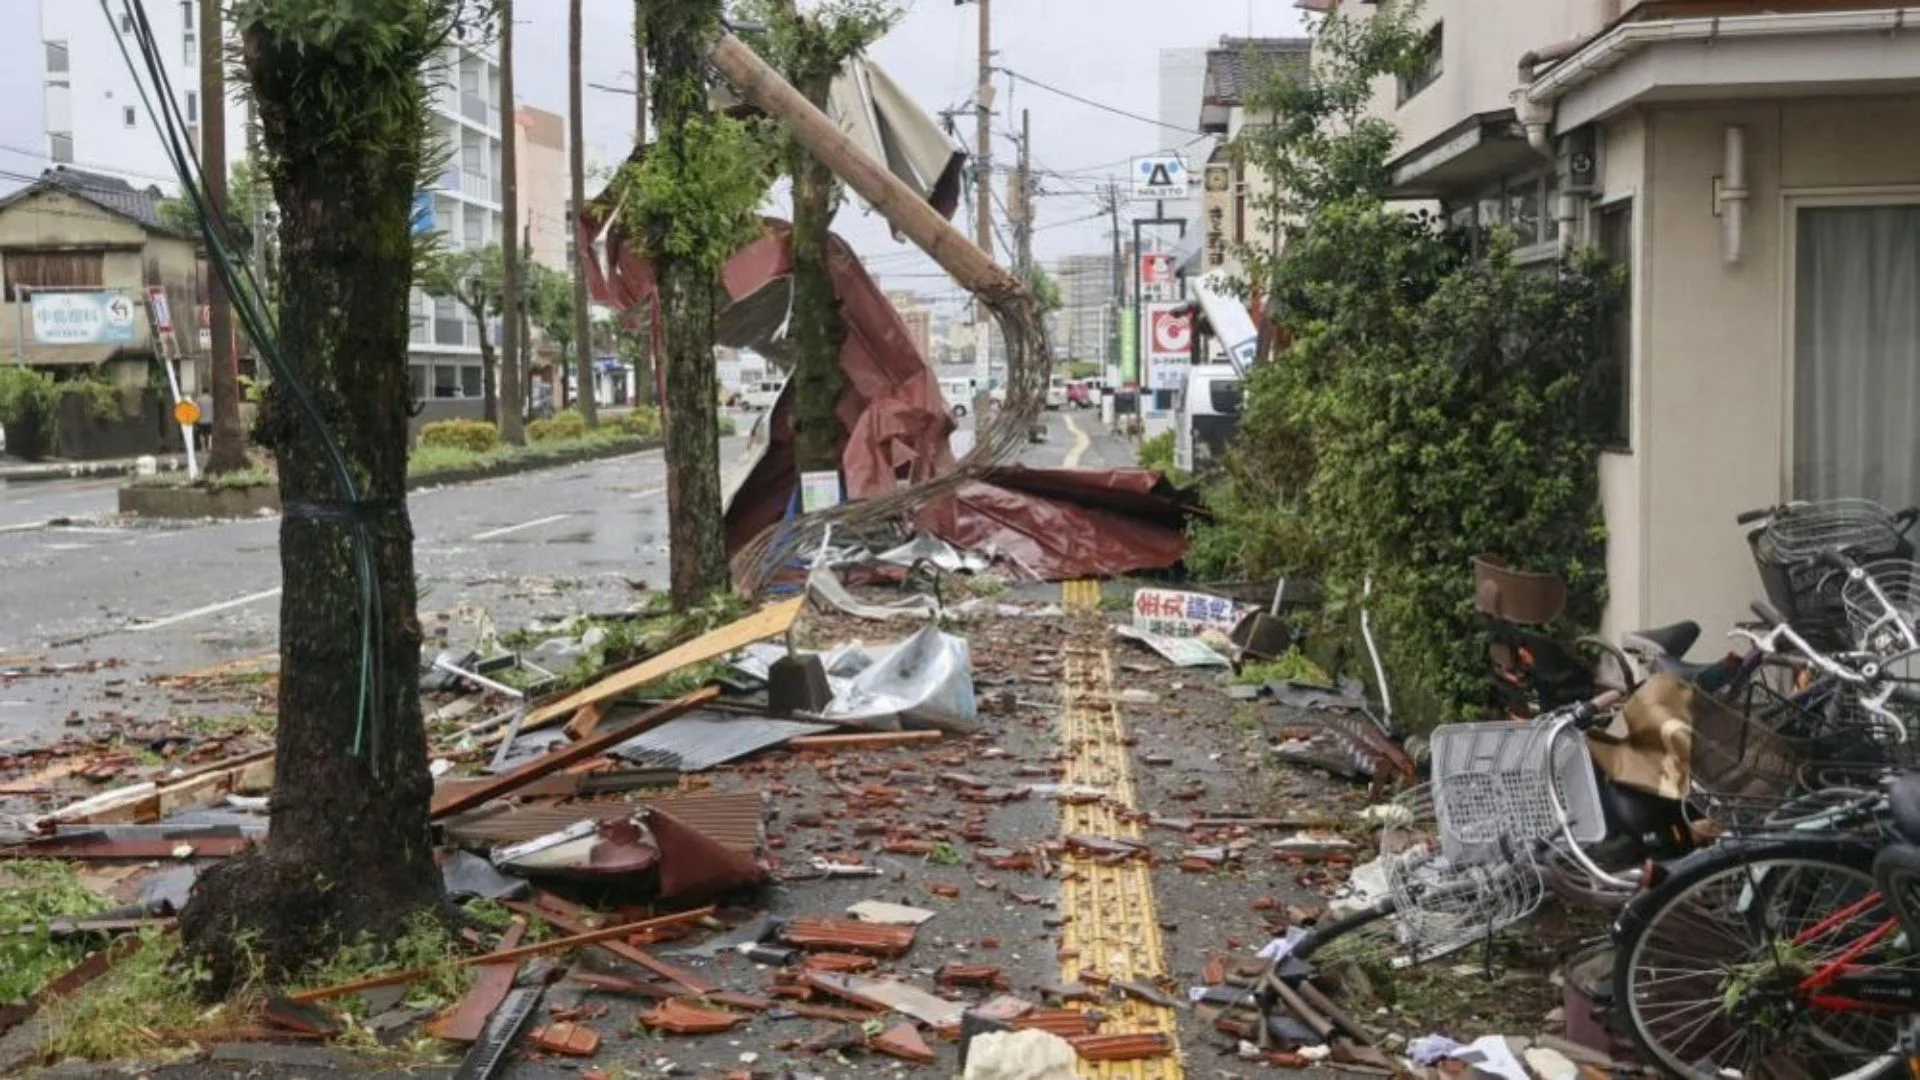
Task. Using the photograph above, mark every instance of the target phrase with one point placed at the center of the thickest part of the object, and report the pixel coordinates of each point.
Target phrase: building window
(60, 147)
(52, 270)
(446, 381)
(129, 117)
(470, 385)
(190, 49)
(1856, 389)
(420, 375)
(1615, 241)
(57, 58)
(1428, 67)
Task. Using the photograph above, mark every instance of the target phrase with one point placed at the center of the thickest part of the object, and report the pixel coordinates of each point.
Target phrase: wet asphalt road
(81, 587)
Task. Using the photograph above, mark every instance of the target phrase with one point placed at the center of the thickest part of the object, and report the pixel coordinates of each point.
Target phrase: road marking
(239, 601)
(649, 493)
(536, 523)
(26, 526)
(1080, 443)
(1081, 594)
(1111, 925)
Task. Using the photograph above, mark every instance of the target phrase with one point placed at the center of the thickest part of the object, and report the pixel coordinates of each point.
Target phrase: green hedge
(474, 436)
(564, 425)
(29, 404)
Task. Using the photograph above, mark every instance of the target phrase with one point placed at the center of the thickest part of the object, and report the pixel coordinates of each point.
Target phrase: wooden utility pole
(229, 450)
(649, 373)
(576, 151)
(512, 405)
(983, 202)
(1119, 286)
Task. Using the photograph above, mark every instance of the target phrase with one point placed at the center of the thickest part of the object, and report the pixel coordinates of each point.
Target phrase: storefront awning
(1465, 157)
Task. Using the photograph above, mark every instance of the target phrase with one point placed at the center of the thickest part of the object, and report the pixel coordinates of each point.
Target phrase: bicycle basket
(1786, 550)
(1491, 784)
(1441, 906)
(1882, 606)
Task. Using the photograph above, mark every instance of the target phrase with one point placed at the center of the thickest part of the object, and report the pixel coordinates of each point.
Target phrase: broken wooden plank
(872, 740)
(151, 801)
(586, 720)
(770, 621)
(591, 937)
(567, 919)
(468, 1019)
(561, 757)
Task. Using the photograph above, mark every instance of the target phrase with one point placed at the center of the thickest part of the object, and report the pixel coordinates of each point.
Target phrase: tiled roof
(1239, 65)
(109, 193)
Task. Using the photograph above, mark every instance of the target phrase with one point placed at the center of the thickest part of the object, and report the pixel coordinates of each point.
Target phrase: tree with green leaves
(550, 306)
(691, 203)
(345, 121)
(472, 279)
(810, 49)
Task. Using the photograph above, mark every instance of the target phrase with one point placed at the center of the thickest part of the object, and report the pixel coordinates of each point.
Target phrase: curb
(73, 470)
(192, 504)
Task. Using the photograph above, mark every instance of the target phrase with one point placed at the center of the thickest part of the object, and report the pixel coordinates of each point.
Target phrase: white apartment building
(1086, 307)
(70, 100)
(1755, 165)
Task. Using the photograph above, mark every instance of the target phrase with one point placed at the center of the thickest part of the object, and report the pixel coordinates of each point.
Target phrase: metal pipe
(1731, 198)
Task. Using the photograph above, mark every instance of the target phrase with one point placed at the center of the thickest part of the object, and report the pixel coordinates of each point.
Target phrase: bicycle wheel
(1712, 964)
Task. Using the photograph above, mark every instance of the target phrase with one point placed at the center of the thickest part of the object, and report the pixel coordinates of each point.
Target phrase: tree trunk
(229, 450)
(348, 852)
(576, 151)
(677, 35)
(489, 376)
(818, 329)
(513, 403)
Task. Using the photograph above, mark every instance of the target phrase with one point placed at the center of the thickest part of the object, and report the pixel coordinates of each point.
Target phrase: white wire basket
(1883, 605)
(1492, 792)
(1807, 530)
(1442, 906)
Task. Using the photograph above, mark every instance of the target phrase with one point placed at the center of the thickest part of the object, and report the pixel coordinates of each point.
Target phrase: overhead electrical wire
(1071, 96)
(155, 87)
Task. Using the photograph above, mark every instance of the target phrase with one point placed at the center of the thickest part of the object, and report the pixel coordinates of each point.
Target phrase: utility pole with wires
(983, 201)
(1020, 206)
(228, 451)
(1116, 361)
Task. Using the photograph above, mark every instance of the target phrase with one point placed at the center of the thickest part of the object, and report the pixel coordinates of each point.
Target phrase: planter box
(192, 502)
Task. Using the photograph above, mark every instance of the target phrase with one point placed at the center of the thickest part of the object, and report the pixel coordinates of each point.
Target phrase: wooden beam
(569, 923)
(770, 621)
(555, 760)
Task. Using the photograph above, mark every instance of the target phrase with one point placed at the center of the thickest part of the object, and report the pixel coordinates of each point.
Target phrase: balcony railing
(477, 185)
(449, 331)
(473, 107)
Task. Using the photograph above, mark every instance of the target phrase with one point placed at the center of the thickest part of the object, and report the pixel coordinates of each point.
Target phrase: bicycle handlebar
(1751, 516)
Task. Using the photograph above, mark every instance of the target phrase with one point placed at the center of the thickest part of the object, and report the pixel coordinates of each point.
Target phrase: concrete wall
(545, 184)
(1711, 405)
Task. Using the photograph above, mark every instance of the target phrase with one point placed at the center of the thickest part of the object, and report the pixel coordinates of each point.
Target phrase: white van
(761, 395)
(1206, 412)
(959, 395)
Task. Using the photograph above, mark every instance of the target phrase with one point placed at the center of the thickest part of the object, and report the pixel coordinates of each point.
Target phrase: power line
(1071, 96)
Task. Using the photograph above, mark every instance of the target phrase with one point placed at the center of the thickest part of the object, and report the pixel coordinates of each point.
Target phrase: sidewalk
(12, 471)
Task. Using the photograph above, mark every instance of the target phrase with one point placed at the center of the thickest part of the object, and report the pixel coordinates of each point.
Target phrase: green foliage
(550, 305)
(562, 425)
(1432, 406)
(727, 428)
(427, 461)
(122, 1013)
(475, 436)
(641, 420)
(1157, 452)
(696, 196)
(248, 197)
(103, 400)
(33, 891)
(1083, 369)
(427, 943)
(28, 404)
(1044, 288)
(473, 279)
(1292, 666)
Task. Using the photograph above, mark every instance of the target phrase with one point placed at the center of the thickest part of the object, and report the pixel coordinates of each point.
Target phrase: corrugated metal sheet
(733, 820)
(702, 740)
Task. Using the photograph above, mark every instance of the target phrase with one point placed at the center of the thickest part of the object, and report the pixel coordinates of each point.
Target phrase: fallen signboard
(1179, 651)
(1185, 614)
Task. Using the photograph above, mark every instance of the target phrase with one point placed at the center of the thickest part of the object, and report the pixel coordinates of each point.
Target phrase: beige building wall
(133, 260)
(545, 183)
(1714, 370)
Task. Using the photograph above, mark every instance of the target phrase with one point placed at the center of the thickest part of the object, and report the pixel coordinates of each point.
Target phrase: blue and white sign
(1160, 177)
(82, 318)
(424, 218)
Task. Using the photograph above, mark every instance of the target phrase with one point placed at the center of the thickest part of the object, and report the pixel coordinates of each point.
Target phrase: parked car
(1057, 393)
(958, 394)
(1081, 394)
(761, 395)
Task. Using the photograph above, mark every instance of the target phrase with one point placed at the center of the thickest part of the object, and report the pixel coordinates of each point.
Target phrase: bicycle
(1781, 954)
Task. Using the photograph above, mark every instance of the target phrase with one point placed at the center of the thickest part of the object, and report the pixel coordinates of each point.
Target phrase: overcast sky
(1106, 50)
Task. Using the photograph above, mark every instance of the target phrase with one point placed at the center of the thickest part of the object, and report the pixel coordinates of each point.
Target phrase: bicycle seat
(1904, 800)
(1673, 640)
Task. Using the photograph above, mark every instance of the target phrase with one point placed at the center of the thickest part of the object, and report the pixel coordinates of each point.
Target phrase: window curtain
(1857, 355)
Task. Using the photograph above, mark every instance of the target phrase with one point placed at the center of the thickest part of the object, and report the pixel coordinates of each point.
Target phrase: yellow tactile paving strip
(1080, 595)
(1111, 923)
